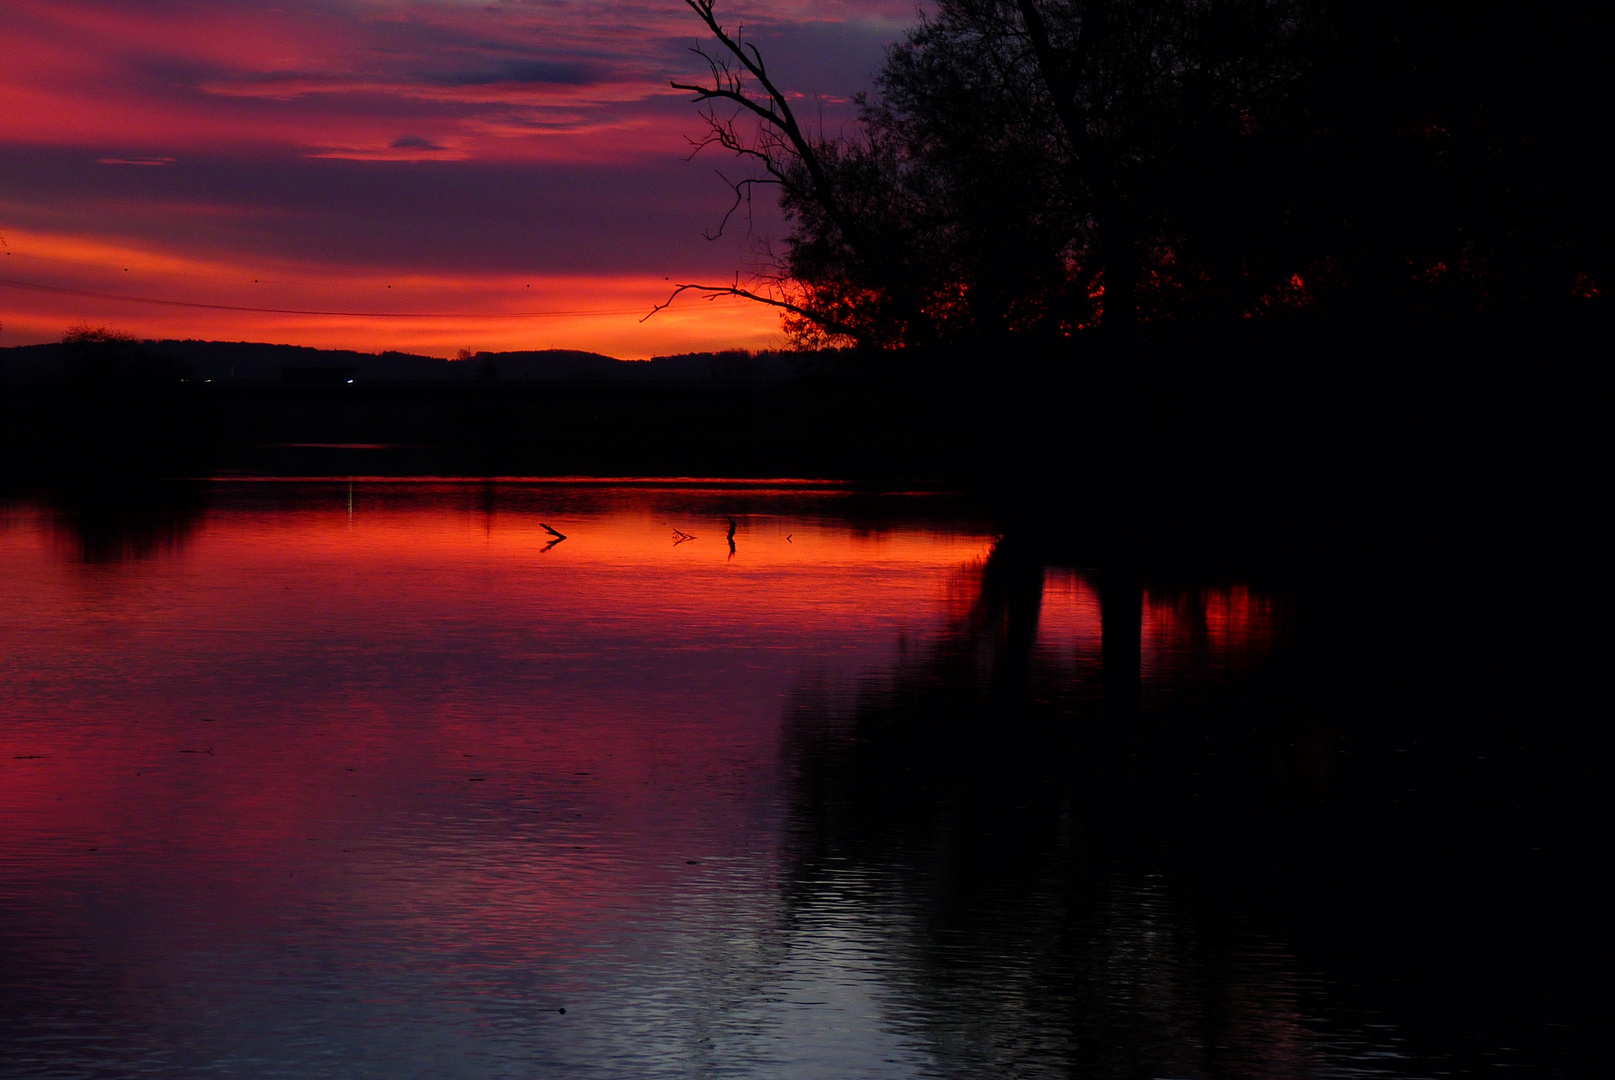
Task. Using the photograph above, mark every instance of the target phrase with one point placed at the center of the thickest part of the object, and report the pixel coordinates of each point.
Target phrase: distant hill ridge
(239, 361)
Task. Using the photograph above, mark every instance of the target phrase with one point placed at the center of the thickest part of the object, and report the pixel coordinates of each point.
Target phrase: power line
(59, 290)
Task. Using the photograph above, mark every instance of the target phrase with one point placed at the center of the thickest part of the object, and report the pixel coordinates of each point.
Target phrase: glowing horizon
(201, 170)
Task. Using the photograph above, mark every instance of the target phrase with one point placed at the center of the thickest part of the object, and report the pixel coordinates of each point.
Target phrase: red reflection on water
(1071, 624)
(421, 713)
(1200, 635)
(1209, 632)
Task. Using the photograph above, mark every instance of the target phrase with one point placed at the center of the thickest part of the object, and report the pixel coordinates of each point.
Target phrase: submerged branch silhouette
(559, 536)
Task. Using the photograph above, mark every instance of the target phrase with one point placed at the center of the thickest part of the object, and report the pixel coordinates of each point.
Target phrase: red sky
(517, 166)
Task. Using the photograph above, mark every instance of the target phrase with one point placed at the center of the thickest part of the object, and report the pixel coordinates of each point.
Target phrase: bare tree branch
(776, 115)
(742, 192)
(712, 292)
(786, 155)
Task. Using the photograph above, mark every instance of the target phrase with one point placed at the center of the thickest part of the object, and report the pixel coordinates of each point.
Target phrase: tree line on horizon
(1035, 171)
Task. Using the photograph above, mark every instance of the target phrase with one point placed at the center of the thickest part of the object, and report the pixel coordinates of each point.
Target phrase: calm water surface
(351, 780)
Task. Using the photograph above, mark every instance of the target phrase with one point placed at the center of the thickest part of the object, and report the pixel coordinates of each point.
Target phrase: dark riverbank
(1284, 446)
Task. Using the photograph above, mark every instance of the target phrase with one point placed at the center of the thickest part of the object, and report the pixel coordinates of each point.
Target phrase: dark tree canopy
(1072, 148)
(1039, 170)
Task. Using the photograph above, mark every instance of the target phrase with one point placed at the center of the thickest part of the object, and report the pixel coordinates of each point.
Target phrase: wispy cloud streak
(538, 138)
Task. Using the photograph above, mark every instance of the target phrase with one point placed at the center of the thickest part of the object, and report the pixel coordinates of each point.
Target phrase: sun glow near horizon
(54, 281)
(419, 176)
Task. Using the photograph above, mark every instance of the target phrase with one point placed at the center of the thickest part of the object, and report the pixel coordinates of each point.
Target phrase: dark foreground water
(352, 780)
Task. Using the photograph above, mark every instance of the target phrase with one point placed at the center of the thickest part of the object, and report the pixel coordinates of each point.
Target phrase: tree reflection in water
(1091, 824)
(125, 522)
(1019, 823)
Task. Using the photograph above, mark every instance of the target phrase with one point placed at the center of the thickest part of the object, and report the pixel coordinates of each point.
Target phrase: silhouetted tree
(1015, 164)
(103, 357)
(1033, 168)
(839, 277)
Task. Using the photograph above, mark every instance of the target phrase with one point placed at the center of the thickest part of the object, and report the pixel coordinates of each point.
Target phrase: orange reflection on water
(1071, 623)
(408, 704)
(1212, 631)
(1203, 635)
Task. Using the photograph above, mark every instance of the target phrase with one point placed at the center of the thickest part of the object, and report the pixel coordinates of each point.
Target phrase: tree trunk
(1121, 621)
(1118, 255)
